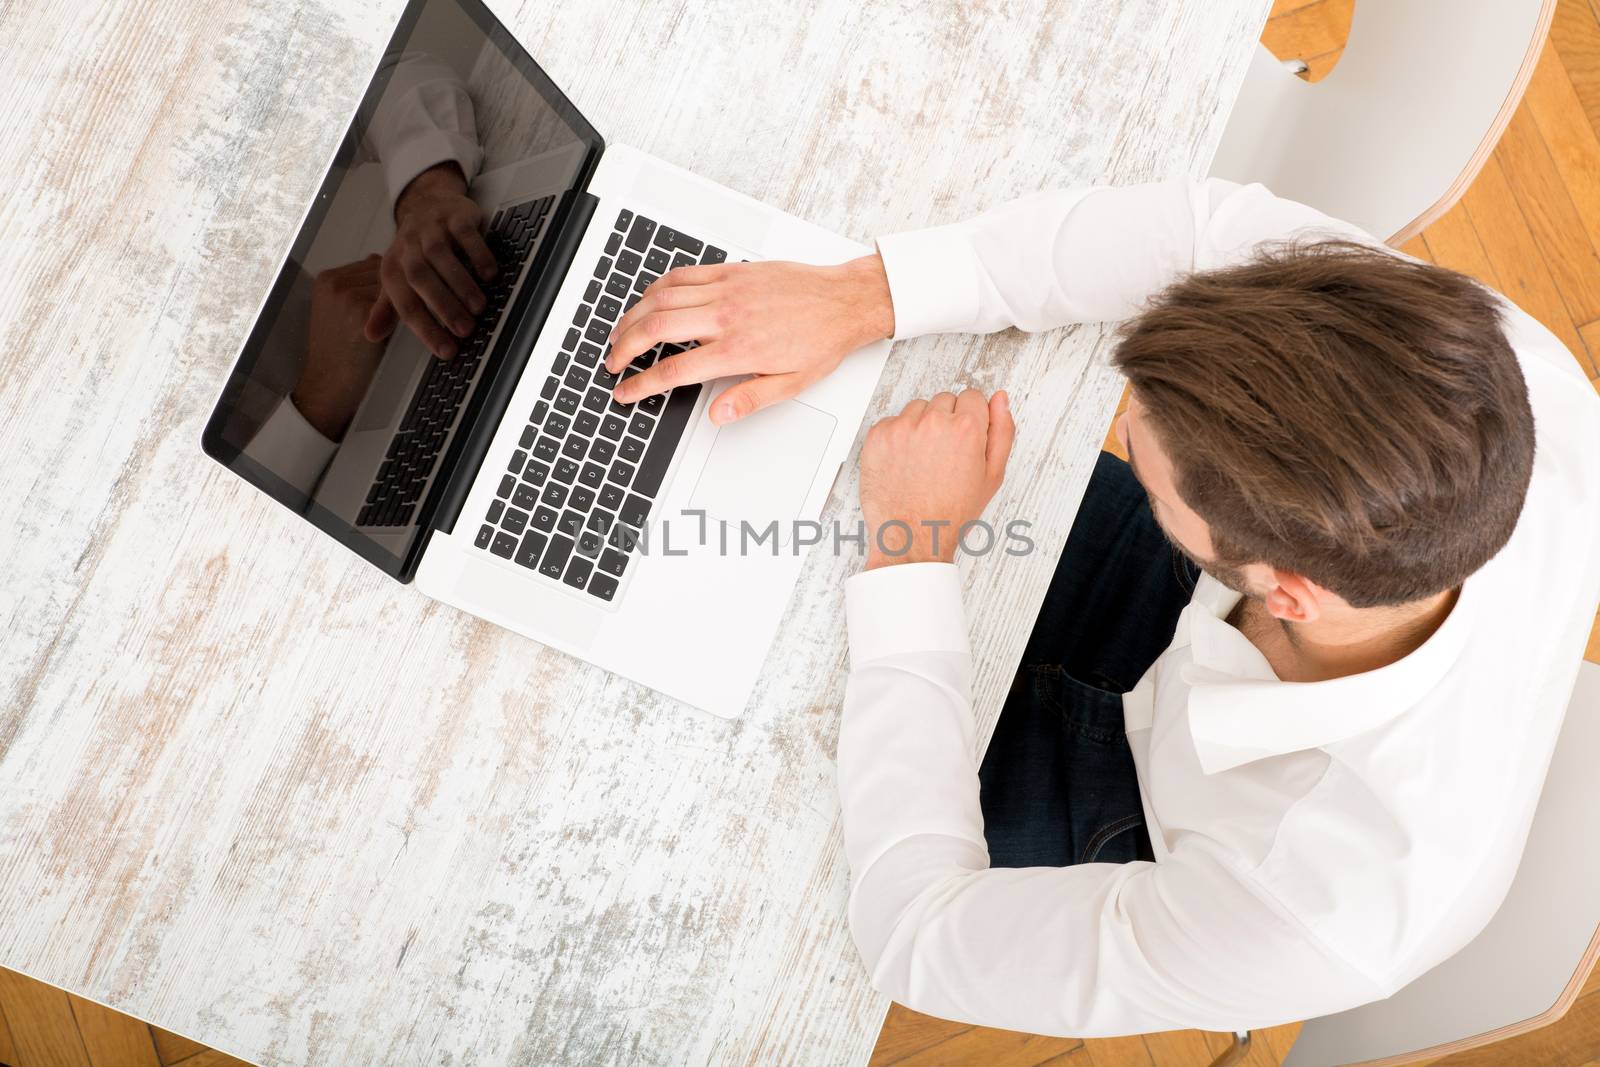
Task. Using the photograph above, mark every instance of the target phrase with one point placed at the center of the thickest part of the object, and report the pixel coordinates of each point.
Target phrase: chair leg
(1236, 1052)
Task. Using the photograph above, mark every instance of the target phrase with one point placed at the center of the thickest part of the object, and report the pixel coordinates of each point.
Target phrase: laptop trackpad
(761, 468)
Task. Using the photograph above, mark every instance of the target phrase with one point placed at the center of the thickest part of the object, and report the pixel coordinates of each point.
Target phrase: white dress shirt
(423, 118)
(1318, 845)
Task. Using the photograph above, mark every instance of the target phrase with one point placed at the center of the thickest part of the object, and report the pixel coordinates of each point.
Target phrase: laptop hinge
(492, 397)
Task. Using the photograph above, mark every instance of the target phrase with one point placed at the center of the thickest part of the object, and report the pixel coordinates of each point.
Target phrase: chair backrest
(1527, 966)
(1401, 125)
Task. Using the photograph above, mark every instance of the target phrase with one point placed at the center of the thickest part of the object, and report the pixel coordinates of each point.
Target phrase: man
(1275, 770)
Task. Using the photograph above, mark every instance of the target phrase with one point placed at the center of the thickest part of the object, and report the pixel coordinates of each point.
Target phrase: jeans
(1057, 783)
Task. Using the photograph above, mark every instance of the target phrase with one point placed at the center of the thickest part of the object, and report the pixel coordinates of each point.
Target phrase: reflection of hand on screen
(428, 270)
(340, 360)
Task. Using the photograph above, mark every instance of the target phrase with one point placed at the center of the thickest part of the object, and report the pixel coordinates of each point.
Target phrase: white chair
(1395, 133)
(1525, 969)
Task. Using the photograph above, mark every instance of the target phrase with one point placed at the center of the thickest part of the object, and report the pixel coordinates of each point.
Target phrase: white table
(257, 793)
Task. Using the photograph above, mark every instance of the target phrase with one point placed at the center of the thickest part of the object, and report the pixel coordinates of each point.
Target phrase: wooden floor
(40, 1026)
(1529, 226)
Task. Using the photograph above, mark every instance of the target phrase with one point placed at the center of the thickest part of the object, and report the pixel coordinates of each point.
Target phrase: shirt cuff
(418, 152)
(933, 280)
(291, 447)
(906, 607)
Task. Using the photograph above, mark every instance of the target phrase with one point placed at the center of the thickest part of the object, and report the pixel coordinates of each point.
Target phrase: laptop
(506, 481)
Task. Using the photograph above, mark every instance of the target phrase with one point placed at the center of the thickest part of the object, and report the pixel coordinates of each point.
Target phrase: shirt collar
(1240, 712)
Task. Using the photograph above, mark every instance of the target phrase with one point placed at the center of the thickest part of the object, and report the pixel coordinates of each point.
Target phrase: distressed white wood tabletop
(257, 793)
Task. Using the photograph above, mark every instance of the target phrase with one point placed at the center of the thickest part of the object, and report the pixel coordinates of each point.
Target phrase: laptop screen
(398, 296)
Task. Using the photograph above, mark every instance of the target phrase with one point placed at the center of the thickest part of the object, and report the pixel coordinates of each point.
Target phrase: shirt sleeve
(290, 447)
(1092, 950)
(424, 118)
(1092, 254)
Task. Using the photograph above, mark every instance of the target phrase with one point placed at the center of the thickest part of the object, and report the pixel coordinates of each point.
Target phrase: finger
(448, 266)
(973, 404)
(381, 320)
(655, 298)
(441, 302)
(683, 324)
(686, 368)
(913, 411)
(708, 272)
(367, 269)
(942, 402)
(748, 397)
(476, 249)
(1002, 432)
(415, 314)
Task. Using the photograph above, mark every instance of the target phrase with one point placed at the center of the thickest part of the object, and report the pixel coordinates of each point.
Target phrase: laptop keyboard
(414, 452)
(587, 470)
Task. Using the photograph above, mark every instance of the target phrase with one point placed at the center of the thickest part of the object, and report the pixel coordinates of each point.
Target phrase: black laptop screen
(401, 287)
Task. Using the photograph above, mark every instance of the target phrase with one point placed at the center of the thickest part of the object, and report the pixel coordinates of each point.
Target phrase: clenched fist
(928, 471)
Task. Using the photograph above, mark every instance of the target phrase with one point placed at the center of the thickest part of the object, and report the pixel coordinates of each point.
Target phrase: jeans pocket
(1091, 713)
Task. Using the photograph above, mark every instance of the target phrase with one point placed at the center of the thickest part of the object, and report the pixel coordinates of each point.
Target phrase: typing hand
(340, 359)
(933, 467)
(789, 324)
(428, 270)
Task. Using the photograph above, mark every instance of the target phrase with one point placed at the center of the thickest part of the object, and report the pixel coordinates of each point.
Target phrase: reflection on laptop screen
(340, 405)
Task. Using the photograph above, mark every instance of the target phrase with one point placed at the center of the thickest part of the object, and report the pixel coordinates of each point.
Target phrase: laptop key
(603, 586)
(566, 402)
(601, 450)
(556, 425)
(536, 473)
(713, 254)
(658, 456)
(578, 573)
(581, 316)
(507, 484)
(515, 521)
(641, 424)
(601, 269)
(582, 498)
(653, 404)
(596, 399)
(613, 243)
(575, 447)
(590, 543)
(525, 497)
(592, 292)
(586, 423)
(610, 496)
(617, 285)
(639, 234)
(495, 508)
(635, 510)
(588, 354)
(518, 458)
(529, 435)
(532, 545)
(667, 237)
(624, 218)
(628, 263)
(657, 261)
(682, 259)
(544, 520)
(545, 448)
(505, 546)
(623, 537)
(554, 560)
(570, 524)
(577, 378)
(485, 535)
(621, 473)
(555, 494)
(592, 475)
(540, 410)
(613, 562)
(607, 308)
(612, 427)
(565, 471)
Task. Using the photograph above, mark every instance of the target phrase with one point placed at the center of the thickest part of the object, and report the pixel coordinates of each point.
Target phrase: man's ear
(1294, 598)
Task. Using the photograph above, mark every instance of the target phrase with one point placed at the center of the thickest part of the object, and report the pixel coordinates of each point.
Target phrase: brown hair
(1340, 412)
